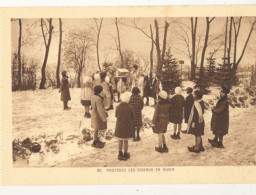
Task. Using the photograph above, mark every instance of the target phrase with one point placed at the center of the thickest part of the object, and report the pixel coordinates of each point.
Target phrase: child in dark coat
(220, 119)
(160, 120)
(146, 90)
(124, 125)
(137, 104)
(189, 101)
(177, 105)
(64, 90)
(196, 122)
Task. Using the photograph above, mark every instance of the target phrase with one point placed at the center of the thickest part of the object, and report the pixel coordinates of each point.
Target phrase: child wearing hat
(64, 90)
(220, 118)
(99, 116)
(106, 91)
(189, 102)
(177, 104)
(136, 102)
(160, 121)
(124, 125)
(196, 122)
(121, 88)
(86, 95)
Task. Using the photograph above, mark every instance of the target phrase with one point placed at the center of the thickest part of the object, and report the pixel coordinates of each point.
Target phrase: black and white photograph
(133, 91)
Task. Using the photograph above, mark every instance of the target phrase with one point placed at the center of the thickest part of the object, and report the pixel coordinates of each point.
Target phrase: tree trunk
(119, 44)
(226, 35)
(79, 78)
(164, 41)
(159, 59)
(19, 55)
(245, 45)
(205, 45)
(230, 39)
(193, 34)
(47, 48)
(59, 56)
(151, 53)
(97, 46)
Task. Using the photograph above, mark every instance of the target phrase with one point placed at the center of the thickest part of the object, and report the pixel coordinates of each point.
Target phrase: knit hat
(199, 94)
(178, 91)
(97, 89)
(163, 94)
(135, 90)
(125, 97)
(87, 79)
(189, 90)
(225, 89)
(97, 76)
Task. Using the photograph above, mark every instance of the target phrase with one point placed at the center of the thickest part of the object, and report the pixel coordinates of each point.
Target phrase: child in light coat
(86, 95)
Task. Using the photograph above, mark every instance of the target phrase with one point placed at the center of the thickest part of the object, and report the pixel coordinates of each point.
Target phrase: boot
(126, 156)
(120, 155)
(174, 136)
(178, 135)
(192, 149)
(159, 149)
(97, 144)
(165, 149)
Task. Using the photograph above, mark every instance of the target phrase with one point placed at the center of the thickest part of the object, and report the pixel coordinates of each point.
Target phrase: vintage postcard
(128, 95)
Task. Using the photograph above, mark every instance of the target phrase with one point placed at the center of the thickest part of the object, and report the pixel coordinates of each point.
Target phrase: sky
(131, 39)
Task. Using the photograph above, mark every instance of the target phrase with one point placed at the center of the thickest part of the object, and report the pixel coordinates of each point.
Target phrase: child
(99, 116)
(137, 104)
(86, 94)
(156, 85)
(146, 89)
(64, 89)
(106, 91)
(220, 119)
(160, 120)
(188, 105)
(121, 88)
(177, 104)
(196, 122)
(124, 125)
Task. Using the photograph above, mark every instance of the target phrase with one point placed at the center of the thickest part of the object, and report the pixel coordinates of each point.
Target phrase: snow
(39, 115)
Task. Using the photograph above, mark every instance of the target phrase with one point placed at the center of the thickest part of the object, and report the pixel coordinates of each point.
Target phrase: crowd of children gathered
(97, 94)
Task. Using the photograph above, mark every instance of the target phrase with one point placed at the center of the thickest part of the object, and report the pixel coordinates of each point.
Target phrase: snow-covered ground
(39, 116)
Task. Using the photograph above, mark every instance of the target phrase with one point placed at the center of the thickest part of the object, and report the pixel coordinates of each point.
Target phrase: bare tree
(119, 43)
(59, 55)
(19, 54)
(226, 35)
(76, 50)
(236, 63)
(98, 26)
(193, 35)
(46, 35)
(230, 40)
(207, 32)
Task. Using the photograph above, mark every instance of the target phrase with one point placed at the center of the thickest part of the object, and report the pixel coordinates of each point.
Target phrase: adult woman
(220, 119)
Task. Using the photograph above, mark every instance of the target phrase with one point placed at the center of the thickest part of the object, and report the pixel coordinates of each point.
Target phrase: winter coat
(121, 88)
(177, 105)
(146, 89)
(188, 106)
(141, 85)
(124, 123)
(198, 129)
(99, 114)
(106, 94)
(155, 87)
(220, 117)
(113, 83)
(86, 91)
(137, 104)
(64, 88)
(161, 116)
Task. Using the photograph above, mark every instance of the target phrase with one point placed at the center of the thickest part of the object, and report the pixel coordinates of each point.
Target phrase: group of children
(98, 95)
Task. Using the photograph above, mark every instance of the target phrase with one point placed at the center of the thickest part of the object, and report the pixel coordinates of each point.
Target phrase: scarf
(199, 109)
